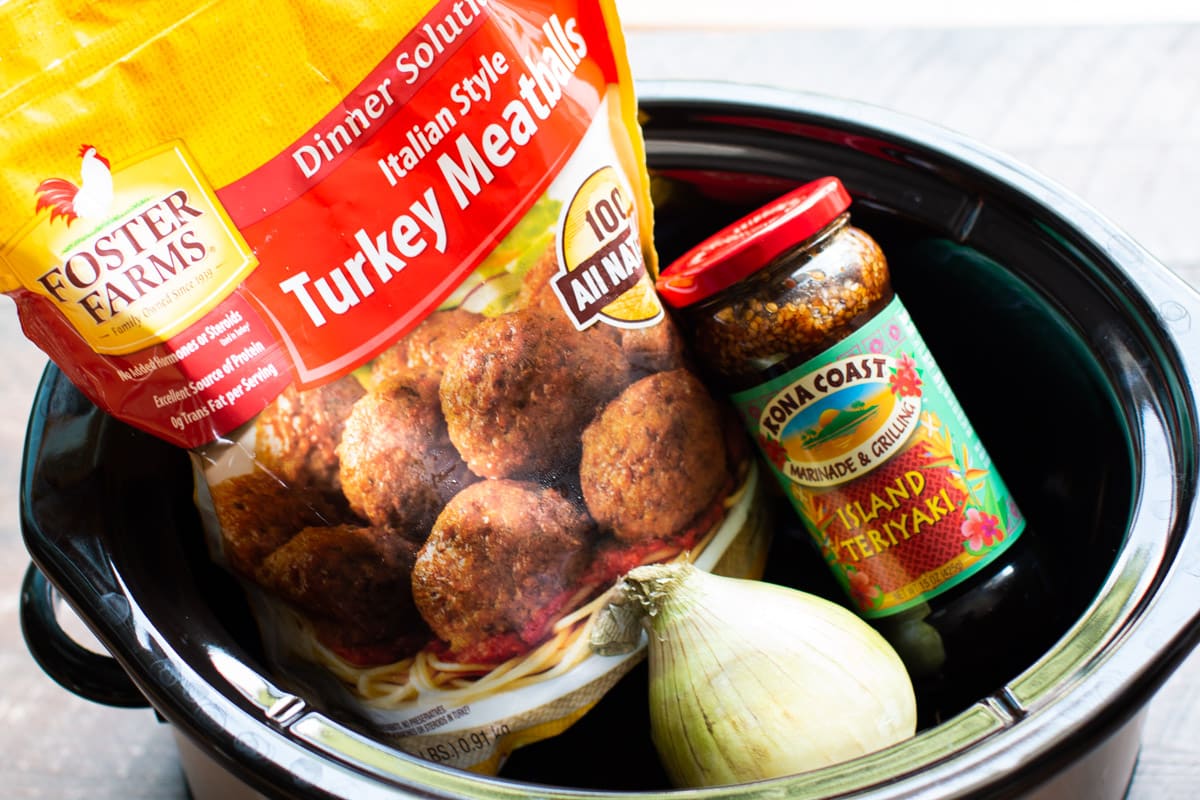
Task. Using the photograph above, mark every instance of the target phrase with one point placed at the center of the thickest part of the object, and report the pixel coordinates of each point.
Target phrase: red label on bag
(451, 136)
(364, 224)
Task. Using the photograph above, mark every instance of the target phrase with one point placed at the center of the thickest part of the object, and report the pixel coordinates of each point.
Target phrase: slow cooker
(1072, 349)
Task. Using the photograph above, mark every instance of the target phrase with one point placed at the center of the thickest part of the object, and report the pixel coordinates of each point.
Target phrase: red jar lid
(744, 247)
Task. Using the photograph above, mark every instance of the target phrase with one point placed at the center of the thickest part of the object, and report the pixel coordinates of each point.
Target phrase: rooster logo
(90, 199)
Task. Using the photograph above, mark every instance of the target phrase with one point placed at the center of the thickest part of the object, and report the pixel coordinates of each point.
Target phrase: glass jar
(791, 312)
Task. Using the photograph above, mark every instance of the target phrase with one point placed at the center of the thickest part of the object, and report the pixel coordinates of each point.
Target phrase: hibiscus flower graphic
(981, 531)
(773, 450)
(867, 594)
(904, 380)
(752, 412)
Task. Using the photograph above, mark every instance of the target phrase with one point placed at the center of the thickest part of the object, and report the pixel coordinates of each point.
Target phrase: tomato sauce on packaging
(386, 271)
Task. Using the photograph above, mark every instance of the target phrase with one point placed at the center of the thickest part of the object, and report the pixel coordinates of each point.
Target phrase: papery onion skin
(750, 680)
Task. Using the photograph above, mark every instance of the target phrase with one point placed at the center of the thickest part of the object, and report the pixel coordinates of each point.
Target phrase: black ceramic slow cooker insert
(1086, 405)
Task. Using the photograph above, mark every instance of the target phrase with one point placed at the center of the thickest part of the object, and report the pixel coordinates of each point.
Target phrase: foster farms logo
(134, 252)
(842, 420)
(135, 258)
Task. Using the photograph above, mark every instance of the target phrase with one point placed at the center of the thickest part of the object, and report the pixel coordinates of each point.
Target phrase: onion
(751, 680)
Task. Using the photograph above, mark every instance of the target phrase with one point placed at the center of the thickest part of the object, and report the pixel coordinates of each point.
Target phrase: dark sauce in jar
(779, 317)
(791, 312)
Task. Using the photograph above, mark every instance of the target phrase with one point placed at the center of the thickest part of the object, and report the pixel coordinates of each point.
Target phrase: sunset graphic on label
(833, 425)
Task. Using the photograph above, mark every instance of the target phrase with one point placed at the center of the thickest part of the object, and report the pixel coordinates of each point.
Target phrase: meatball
(398, 466)
(422, 354)
(536, 291)
(258, 513)
(297, 435)
(654, 458)
(658, 348)
(520, 390)
(502, 558)
(354, 583)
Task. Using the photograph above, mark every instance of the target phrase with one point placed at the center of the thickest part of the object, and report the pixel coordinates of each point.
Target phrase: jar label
(877, 456)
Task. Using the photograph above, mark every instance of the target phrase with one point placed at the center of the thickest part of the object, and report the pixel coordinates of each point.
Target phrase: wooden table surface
(1112, 113)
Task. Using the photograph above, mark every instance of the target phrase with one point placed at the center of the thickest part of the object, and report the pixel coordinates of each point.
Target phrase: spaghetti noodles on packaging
(386, 271)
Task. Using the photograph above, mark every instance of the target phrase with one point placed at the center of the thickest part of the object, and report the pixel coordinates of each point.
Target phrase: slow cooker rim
(249, 764)
(179, 702)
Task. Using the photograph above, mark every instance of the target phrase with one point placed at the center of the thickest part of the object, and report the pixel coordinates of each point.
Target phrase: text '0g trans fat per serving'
(387, 272)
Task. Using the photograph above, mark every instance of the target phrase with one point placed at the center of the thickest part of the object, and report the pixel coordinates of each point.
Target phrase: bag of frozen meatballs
(386, 271)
